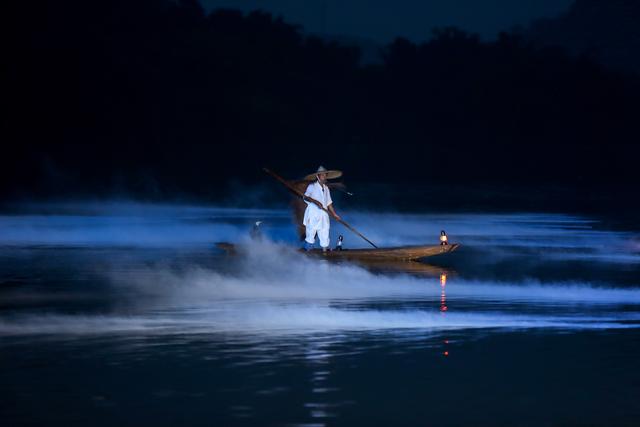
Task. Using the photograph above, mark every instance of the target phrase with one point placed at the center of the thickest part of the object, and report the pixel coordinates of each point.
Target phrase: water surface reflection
(533, 310)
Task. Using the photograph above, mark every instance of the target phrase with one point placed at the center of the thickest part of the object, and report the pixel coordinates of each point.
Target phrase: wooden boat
(400, 253)
(406, 253)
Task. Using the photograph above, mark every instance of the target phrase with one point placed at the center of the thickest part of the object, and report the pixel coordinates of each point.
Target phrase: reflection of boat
(414, 268)
(381, 254)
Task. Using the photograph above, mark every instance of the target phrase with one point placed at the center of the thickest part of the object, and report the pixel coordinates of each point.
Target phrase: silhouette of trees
(157, 98)
(605, 31)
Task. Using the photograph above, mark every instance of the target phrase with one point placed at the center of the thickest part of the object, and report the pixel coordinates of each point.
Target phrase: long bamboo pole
(315, 202)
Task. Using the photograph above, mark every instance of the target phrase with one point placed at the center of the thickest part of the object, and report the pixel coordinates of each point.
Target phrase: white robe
(315, 219)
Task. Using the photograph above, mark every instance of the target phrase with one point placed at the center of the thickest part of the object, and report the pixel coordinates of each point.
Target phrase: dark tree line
(156, 98)
(607, 31)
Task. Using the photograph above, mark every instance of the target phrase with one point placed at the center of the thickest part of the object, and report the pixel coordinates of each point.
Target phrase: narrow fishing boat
(399, 253)
(405, 253)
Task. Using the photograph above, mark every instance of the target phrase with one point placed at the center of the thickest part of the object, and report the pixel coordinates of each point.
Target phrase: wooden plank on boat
(396, 253)
(399, 253)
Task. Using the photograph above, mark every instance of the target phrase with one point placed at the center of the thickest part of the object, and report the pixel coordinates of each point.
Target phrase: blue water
(126, 314)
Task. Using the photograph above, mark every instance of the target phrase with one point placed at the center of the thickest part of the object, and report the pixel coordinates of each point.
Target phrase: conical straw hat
(331, 174)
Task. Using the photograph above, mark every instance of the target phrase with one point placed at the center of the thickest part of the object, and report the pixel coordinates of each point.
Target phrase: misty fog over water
(124, 305)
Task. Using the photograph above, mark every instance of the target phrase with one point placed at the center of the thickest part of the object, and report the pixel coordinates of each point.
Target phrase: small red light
(446, 353)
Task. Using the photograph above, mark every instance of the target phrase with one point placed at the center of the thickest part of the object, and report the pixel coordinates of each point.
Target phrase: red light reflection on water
(443, 294)
(443, 305)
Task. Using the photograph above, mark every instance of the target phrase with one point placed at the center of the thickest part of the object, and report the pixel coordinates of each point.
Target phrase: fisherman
(316, 221)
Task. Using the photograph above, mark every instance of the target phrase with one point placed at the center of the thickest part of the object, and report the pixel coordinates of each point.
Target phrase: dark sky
(383, 20)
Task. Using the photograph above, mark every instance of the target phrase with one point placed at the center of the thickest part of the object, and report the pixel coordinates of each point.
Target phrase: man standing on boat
(316, 221)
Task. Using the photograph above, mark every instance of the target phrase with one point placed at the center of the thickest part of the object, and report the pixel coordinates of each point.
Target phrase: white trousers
(323, 235)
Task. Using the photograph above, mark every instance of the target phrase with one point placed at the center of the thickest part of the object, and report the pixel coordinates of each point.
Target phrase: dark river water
(127, 314)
